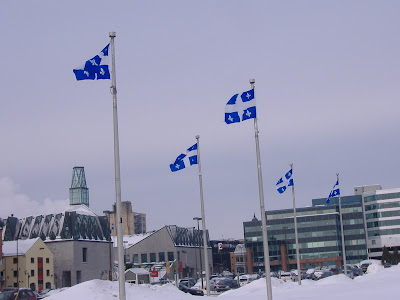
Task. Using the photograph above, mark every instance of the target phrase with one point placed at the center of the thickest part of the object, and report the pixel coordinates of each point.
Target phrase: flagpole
(341, 227)
(203, 220)
(121, 263)
(295, 232)
(263, 219)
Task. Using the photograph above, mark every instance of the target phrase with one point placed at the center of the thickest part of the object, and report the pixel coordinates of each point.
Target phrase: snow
(377, 283)
(130, 240)
(10, 247)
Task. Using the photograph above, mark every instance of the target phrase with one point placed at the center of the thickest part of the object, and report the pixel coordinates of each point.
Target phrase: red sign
(154, 273)
(180, 267)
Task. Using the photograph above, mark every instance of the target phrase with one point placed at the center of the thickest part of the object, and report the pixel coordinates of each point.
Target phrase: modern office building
(382, 219)
(319, 234)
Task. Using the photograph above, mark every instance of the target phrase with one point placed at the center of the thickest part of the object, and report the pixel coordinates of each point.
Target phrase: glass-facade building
(319, 234)
(382, 218)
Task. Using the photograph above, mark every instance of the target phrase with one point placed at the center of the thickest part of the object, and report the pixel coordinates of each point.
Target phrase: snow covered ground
(379, 283)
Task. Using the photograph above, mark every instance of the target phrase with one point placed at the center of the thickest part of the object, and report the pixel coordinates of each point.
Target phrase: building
(221, 251)
(239, 263)
(382, 220)
(132, 222)
(27, 264)
(319, 234)
(78, 238)
(137, 276)
(179, 248)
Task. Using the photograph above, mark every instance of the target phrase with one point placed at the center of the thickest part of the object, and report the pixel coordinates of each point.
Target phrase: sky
(379, 283)
(326, 85)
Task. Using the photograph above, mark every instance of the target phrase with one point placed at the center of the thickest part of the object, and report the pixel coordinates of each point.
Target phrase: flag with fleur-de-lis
(241, 108)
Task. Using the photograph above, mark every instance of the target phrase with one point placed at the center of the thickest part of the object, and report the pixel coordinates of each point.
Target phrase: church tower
(78, 193)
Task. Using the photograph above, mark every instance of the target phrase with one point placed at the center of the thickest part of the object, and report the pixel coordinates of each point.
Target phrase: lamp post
(198, 238)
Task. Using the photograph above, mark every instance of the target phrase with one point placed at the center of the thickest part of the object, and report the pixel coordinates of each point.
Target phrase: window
(32, 272)
(84, 254)
(170, 256)
(47, 272)
(32, 260)
(127, 258)
(15, 273)
(144, 257)
(15, 260)
(78, 277)
(135, 258)
(161, 256)
(47, 260)
(152, 257)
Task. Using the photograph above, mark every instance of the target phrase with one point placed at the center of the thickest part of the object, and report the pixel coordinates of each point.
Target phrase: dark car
(364, 267)
(226, 284)
(191, 291)
(310, 276)
(387, 265)
(188, 282)
(25, 294)
(326, 274)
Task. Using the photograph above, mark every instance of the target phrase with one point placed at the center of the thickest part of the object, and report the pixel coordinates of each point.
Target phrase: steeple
(78, 193)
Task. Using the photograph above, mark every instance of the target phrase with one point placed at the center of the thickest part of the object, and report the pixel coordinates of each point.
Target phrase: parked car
(357, 271)
(311, 276)
(191, 291)
(387, 265)
(364, 267)
(326, 274)
(226, 284)
(25, 294)
(189, 282)
(285, 276)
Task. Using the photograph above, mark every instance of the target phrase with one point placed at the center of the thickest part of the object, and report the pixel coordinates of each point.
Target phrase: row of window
(382, 197)
(384, 232)
(383, 214)
(382, 205)
(150, 257)
(15, 260)
(383, 223)
(32, 273)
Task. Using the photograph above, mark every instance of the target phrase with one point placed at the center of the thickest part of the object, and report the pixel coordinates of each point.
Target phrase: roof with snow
(11, 248)
(138, 271)
(77, 222)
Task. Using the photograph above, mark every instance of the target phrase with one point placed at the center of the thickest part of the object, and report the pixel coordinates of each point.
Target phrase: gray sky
(327, 91)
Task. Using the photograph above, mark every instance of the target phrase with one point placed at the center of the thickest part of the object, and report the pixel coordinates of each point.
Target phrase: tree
(395, 256)
(386, 257)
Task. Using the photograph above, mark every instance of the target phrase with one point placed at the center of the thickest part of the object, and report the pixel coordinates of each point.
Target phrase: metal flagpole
(295, 232)
(121, 263)
(203, 219)
(341, 228)
(263, 219)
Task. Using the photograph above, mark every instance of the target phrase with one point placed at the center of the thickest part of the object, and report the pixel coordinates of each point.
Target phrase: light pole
(198, 238)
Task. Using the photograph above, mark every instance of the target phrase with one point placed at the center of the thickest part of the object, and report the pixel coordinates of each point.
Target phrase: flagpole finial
(112, 34)
(197, 137)
(291, 165)
(252, 81)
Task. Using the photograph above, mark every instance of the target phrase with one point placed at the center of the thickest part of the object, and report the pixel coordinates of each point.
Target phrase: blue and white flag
(241, 108)
(285, 182)
(335, 192)
(95, 68)
(185, 159)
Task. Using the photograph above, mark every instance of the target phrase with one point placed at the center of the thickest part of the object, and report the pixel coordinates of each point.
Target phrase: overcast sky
(327, 90)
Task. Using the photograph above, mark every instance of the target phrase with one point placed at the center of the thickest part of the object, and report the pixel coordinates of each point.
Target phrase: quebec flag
(335, 192)
(185, 159)
(95, 68)
(285, 182)
(241, 108)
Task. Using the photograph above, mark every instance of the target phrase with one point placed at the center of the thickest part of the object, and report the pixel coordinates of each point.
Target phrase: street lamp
(198, 239)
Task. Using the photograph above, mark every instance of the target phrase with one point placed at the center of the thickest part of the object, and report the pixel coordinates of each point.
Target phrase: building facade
(319, 234)
(382, 218)
(132, 222)
(177, 248)
(27, 264)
